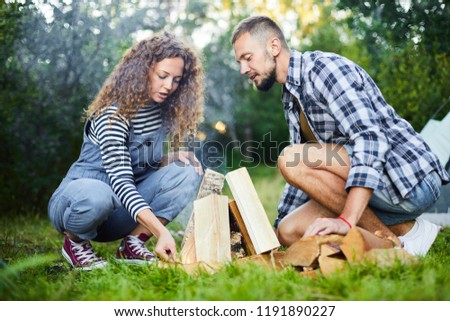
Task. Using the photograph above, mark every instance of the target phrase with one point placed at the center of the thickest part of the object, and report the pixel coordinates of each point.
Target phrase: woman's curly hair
(128, 85)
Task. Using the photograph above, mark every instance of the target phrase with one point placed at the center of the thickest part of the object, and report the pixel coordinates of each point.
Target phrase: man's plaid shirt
(344, 106)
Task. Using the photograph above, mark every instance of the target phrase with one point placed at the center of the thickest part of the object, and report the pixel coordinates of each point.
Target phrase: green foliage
(417, 97)
(397, 23)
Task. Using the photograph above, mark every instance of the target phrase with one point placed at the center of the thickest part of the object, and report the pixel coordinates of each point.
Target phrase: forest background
(55, 55)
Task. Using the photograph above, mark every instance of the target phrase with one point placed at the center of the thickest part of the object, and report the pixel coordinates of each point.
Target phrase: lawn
(32, 268)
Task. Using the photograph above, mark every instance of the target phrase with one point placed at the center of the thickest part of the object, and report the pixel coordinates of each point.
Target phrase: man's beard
(267, 82)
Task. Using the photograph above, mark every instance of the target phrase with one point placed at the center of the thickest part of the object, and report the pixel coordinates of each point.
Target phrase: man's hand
(354, 206)
(323, 226)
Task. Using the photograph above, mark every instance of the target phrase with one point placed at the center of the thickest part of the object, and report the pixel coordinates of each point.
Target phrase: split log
(259, 229)
(358, 241)
(212, 183)
(212, 229)
(328, 249)
(329, 265)
(236, 216)
(306, 251)
(272, 260)
(389, 257)
(237, 245)
(303, 252)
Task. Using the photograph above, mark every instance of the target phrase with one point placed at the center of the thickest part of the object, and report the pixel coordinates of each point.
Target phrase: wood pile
(221, 230)
(332, 253)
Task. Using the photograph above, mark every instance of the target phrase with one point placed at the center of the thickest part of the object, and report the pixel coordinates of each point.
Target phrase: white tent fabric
(437, 135)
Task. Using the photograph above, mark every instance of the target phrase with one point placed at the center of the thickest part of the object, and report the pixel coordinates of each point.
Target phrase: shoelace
(138, 246)
(84, 252)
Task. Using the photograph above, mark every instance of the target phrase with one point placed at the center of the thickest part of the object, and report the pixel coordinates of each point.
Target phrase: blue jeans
(421, 198)
(91, 210)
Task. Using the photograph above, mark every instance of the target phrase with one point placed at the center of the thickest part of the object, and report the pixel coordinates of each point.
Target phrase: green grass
(32, 268)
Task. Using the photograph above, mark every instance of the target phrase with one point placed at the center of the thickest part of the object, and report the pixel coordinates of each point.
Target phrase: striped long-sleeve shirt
(343, 106)
(110, 131)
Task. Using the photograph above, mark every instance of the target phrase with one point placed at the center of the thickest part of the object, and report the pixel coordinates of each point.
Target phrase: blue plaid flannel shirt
(344, 106)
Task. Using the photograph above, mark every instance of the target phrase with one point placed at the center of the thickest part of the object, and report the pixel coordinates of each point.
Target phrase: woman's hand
(186, 157)
(166, 247)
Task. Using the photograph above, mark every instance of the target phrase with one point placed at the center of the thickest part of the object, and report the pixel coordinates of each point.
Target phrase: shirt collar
(294, 70)
(293, 78)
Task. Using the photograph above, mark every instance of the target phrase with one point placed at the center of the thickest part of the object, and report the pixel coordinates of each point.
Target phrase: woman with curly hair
(123, 186)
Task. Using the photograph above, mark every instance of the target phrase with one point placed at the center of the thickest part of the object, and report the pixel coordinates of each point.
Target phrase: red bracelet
(345, 221)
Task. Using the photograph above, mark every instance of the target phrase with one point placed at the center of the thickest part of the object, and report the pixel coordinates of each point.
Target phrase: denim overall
(85, 204)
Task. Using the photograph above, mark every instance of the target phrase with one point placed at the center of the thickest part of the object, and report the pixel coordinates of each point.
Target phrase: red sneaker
(132, 250)
(81, 255)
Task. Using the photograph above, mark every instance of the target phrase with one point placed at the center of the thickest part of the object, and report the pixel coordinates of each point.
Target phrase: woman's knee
(95, 195)
(181, 176)
(91, 200)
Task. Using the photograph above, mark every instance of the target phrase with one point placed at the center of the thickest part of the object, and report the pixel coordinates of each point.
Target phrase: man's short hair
(260, 26)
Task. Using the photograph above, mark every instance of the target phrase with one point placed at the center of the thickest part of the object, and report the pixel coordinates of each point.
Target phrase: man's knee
(290, 162)
(287, 233)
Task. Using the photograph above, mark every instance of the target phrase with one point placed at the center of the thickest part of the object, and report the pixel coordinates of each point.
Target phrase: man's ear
(274, 46)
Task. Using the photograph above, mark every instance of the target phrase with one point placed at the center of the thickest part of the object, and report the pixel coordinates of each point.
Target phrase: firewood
(328, 249)
(358, 241)
(258, 259)
(272, 260)
(212, 182)
(389, 257)
(305, 251)
(237, 245)
(329, 265)
(212, 229)
(253, 214)
(276, 258)
(188, 251)
(236, 216)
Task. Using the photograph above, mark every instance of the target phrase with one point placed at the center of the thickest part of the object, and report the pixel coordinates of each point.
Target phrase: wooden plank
(212, 229)
(212, 182)
(358, 241)
(188, 251)
(259, 229)
(249, 248)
